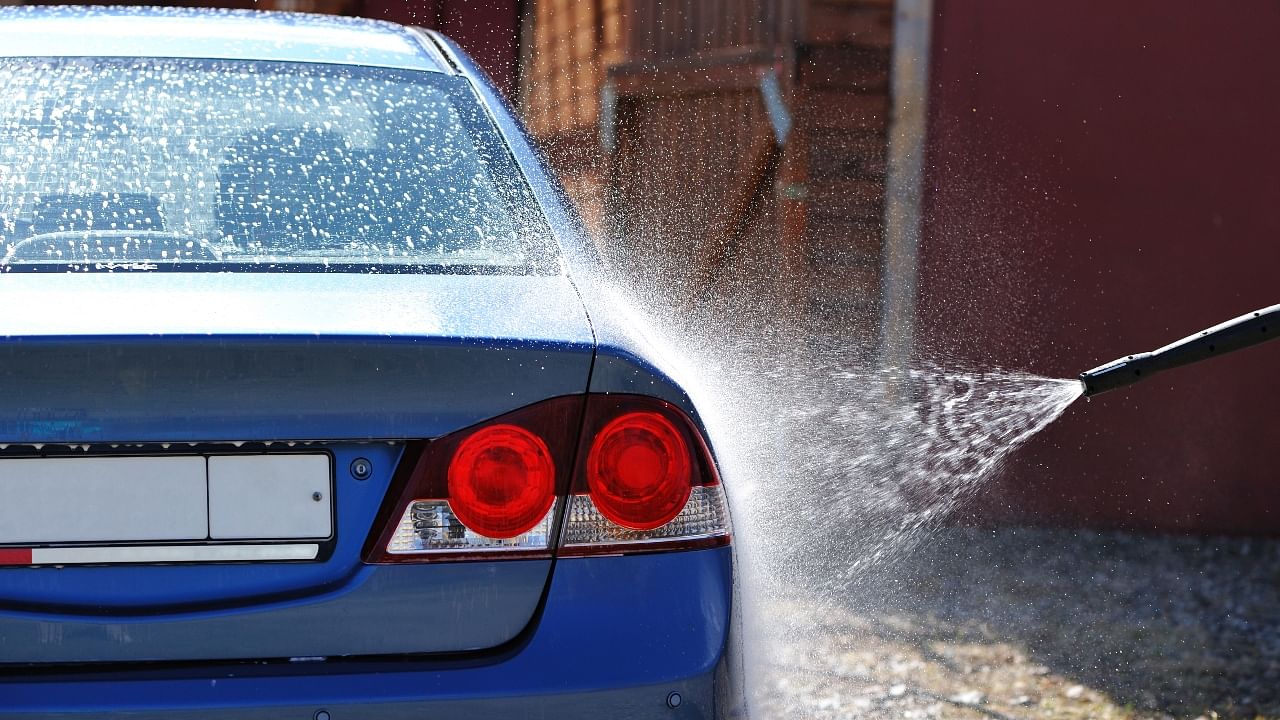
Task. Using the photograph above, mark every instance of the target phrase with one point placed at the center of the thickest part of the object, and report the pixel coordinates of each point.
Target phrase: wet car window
(153, 164)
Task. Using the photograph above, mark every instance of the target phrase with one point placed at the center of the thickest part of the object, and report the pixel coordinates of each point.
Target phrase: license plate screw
(316, 496)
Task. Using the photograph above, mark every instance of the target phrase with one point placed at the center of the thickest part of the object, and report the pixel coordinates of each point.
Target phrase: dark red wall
(489, 30)
(1103, 178)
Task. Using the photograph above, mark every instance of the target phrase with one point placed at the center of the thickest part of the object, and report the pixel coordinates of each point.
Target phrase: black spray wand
(1251, 329)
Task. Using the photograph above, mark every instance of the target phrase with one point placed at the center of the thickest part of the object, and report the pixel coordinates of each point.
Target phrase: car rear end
(304, 416)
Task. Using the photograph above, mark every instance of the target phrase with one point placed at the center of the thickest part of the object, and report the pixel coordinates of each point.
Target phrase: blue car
(312, 405)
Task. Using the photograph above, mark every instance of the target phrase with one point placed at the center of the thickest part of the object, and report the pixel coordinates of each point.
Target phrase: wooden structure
(732, 145)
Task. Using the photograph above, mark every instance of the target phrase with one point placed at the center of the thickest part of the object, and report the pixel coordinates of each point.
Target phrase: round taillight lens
(639, 472)
(501, 481)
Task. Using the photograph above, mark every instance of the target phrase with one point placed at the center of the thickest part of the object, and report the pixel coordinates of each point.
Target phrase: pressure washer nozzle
(1242, 332)
(1117, 373)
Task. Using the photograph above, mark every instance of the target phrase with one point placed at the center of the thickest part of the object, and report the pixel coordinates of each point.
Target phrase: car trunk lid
(221, 376)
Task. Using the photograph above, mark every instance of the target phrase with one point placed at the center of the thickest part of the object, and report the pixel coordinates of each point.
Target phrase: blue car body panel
(599, 649)
(379, 610)
(497, 307)
(239, 355)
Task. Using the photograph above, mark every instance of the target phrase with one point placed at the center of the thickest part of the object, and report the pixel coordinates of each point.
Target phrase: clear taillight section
(589, 475)
(703, 522)
(429, 526)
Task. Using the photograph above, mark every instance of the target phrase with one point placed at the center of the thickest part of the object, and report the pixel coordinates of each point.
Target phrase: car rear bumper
(617, 637)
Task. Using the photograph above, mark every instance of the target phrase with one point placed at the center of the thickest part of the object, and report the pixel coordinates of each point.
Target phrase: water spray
(1242, 332)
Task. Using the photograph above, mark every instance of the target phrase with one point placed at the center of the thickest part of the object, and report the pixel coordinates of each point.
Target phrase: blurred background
(1038, 186)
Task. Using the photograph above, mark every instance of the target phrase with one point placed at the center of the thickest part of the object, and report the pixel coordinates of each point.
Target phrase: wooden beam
(704, 73)
(750, 179)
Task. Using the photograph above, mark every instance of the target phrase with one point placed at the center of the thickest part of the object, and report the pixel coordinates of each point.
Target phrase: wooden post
(907, 122)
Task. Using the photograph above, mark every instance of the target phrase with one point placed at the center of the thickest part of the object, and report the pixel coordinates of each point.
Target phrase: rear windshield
(159, 164)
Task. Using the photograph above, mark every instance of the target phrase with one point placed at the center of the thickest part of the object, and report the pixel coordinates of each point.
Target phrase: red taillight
(593, 474)
(488, 491)
(647, 482)
(639, 471)
(502, 481)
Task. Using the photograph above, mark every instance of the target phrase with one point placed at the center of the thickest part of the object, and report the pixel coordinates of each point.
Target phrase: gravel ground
(1037, 624)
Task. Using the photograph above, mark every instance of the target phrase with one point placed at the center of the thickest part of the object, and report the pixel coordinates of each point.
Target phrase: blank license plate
(198, 501)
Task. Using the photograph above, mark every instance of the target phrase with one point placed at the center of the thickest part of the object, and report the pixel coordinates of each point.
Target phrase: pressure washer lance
(1251, 329)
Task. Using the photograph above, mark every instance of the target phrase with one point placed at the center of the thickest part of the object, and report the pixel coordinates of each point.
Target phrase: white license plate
(252, 497)
(194, 500)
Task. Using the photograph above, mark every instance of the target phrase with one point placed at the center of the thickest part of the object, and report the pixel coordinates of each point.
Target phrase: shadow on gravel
(1157, 624)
